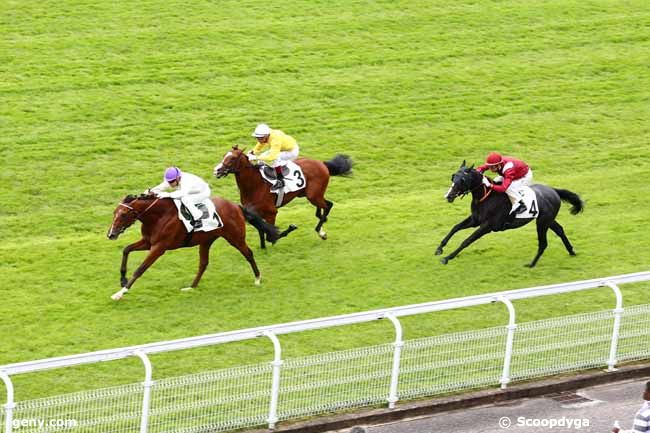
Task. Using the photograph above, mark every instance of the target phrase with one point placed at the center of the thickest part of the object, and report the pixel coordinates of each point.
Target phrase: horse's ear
(235, 147)
(471, 167)
(463, 164)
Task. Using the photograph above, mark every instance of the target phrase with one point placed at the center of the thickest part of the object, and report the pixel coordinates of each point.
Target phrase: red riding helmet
(494, 158)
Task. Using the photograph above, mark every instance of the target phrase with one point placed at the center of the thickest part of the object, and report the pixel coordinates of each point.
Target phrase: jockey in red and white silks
(514, 174)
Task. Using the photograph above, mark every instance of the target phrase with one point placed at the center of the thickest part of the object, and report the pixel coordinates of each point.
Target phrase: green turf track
(97, 98)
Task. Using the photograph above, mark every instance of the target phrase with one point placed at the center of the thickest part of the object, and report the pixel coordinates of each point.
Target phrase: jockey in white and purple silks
(189, 188)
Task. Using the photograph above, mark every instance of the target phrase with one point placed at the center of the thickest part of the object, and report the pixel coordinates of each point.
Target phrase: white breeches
(513, 190)
(283, 157)
(190, 200)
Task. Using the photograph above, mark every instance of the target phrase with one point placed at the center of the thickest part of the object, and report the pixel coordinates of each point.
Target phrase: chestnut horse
(162, 230)
(254, 192)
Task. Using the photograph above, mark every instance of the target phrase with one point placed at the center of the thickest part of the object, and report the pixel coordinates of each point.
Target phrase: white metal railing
(403, 363)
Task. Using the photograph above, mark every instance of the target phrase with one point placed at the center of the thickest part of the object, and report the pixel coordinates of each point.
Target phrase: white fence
(266, 393)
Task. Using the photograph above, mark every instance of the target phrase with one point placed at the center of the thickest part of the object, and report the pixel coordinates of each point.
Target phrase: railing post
(146, 396)
(397, 354)
(618, 312)
(10, 405)
(505, 376)
(275, 385)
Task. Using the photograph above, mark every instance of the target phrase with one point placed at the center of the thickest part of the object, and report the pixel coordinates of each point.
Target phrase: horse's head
(463, 181)
(232, 162)
(126, 213)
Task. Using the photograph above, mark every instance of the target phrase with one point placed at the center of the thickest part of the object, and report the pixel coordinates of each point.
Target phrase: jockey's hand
(164, 195)
(487, 182)
(252, 157)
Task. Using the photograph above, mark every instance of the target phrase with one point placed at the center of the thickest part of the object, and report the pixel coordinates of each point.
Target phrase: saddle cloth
(530, 199)
(294, 179)
(210, 219)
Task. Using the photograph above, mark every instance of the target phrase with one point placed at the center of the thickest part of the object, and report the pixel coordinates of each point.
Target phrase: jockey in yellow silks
(274, 148)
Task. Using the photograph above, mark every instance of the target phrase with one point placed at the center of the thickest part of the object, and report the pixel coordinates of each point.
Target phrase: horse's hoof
(186, 289)
(444, 261)
(572, 253)
(322, 235)
(258, 280)
(292, 227)
(438, 251)
(530, 265)
(118, 295)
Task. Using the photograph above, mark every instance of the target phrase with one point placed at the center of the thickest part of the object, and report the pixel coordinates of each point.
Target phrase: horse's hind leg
(271, 220)
(542, 243)
(204, 259)
(321, 214)
(136, 246)
(558, 230)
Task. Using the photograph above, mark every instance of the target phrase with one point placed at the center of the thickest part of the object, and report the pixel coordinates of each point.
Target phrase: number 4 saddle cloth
(530, 199)
(294, 179)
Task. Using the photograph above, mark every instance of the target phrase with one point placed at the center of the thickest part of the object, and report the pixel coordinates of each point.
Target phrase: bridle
(139, 215)
(237, 160)
(486, 191)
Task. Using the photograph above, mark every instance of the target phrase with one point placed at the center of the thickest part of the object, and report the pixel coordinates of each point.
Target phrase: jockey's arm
(272, 153)
(191, 188)
(507, 180)
(258, 148)
(164, 186)
(482, 168)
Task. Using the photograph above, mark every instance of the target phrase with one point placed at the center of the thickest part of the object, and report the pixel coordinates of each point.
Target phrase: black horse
(490, 211)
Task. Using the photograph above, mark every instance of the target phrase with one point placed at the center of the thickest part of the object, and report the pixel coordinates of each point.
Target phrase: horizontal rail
(314, 324)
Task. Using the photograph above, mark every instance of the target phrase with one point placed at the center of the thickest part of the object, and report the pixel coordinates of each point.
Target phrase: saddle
(269, 172)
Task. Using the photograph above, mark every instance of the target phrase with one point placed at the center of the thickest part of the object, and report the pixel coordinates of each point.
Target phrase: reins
(486, 192)
(138, 215)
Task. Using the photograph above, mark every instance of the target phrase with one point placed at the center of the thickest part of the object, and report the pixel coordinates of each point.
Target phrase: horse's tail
(271, 231)
(340, 165)
(573, 198)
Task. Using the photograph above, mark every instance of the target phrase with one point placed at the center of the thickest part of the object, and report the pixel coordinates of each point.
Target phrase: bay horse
(490, 211)
(162, 230)
(254, 192)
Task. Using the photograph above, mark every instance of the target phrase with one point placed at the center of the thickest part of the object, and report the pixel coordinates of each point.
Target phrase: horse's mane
(129, 198)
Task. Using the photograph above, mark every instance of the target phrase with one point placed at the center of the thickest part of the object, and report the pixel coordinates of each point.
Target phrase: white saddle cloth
(210, 219)
(294, 180)
(530, 199)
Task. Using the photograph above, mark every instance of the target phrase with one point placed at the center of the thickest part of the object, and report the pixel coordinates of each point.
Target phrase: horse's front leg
(155, 252)
(474, 236)
(466, 223)
(136, 246)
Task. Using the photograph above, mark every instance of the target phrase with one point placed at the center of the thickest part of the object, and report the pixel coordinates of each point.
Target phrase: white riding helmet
(262, 130)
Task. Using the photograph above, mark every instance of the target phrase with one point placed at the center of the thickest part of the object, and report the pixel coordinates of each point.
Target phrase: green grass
(96, 99)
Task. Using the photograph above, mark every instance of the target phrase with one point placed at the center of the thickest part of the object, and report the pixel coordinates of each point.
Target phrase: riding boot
(518, 208)
(279, 183)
